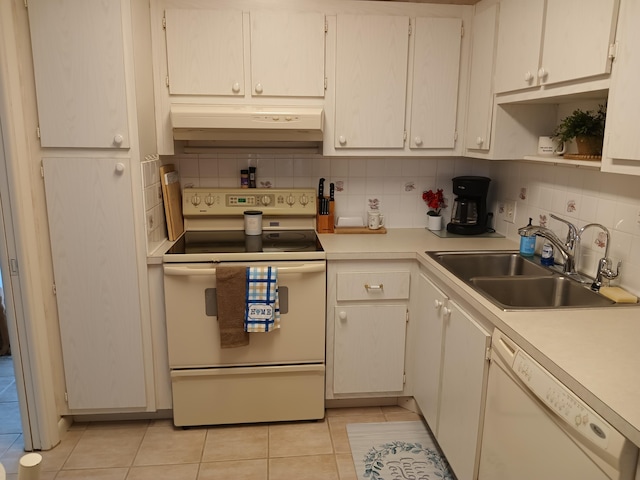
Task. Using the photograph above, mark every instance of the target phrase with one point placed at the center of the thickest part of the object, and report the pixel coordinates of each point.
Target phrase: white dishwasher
(536, 428)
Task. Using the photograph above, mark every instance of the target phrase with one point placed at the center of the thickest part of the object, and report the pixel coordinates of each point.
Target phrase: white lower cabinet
(450, 369)
(366, 328)
(369, 348)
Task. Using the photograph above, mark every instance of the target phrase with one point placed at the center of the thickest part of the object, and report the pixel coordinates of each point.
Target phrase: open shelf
(562, 161)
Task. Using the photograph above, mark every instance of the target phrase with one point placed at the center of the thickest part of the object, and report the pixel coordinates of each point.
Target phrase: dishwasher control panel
(561, 400)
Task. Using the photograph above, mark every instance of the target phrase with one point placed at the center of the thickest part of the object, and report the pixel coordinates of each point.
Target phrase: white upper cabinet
(79, 67)
(480, 103)
(548, 42)
(371, 81)
(434, 97)
(622, 143)
(206, 53)
(287, 54)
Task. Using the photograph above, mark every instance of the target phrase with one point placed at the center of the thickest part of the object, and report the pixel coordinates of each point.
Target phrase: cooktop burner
(235, 241)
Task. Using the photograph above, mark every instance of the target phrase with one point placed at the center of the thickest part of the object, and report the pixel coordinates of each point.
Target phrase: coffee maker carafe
(469, 212)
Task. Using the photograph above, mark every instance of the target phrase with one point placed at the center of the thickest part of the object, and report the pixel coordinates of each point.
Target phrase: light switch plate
(510, 211)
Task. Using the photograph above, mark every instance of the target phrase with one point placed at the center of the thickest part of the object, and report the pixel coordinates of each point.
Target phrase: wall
(577, 194)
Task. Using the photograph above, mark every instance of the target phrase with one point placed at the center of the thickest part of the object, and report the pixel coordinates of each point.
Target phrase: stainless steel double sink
(513, 282)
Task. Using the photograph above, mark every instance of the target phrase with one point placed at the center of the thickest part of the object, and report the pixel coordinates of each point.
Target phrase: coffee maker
(469, 213)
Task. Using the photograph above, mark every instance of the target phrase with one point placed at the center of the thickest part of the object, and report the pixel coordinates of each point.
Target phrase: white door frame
(26, 317)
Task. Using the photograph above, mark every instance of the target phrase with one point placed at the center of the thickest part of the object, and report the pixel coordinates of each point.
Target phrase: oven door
(192, 327)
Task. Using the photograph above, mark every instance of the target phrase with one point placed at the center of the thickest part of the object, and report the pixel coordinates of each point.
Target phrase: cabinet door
(287, 54)
(480, 104)
(89, 206)
(622, 142)
(464, 380)
(369, 345)
(78, 61)
(577, 36)
(428, 352)
(205, 52)
(520, 33)
(436, 67)
(371, 81)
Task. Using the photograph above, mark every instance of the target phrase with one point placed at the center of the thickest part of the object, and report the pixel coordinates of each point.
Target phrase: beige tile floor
(146, 450)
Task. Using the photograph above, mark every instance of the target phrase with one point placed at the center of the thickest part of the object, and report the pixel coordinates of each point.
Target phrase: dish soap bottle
(528, 244)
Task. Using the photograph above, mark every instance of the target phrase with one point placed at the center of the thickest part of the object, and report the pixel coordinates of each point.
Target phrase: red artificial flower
(435, 201)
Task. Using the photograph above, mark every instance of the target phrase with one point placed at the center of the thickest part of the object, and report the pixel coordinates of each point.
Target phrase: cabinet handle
(446, 311)
(479, 141)
(118, 139)
(342, 315)
(528, 76)
(437, 304)
(258, 88)
(342, 140)
(418, 141)
(375, 288)
(119, 168)
(236, 87)
(542, 73)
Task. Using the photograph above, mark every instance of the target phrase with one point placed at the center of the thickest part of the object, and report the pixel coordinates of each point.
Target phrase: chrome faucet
(604, 272)
(566, 248)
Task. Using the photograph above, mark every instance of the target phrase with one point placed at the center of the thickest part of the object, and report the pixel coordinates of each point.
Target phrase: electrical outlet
(510, 211)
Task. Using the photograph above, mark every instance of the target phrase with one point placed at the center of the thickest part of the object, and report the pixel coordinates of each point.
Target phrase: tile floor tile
(105, 448)
(161, 446)
(351, 411)
(93, 474)
(236, 443)
(295, 439)
(346, 468)
(236, 470)
(402, 417)
(53, 460)
(313, 467)
(10, 418)
(164, 472)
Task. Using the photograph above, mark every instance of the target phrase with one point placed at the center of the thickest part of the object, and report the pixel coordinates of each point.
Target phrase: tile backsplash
(395, 186)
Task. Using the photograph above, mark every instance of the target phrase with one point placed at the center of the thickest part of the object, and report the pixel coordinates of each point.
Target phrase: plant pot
(589, 145)
(434, 222)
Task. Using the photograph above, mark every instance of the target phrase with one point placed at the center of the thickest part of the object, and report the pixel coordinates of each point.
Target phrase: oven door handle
(190, 271)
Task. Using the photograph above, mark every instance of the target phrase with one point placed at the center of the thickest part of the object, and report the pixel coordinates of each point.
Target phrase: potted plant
(435, 202)
(586, 127)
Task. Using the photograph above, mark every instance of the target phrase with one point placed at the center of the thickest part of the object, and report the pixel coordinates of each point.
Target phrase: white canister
(253, 222)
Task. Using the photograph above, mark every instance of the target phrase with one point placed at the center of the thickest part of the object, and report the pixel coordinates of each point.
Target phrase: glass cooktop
(235, 241)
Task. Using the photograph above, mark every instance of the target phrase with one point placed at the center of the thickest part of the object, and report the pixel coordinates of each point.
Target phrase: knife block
(325, 223)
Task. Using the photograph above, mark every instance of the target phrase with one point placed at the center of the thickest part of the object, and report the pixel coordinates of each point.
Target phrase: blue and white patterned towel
(263, 309)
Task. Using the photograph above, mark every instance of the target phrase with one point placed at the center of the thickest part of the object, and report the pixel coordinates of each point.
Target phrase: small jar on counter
(547, 255)
(244, 178)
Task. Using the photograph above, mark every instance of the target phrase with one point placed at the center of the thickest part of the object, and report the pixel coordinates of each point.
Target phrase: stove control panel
(203, 202)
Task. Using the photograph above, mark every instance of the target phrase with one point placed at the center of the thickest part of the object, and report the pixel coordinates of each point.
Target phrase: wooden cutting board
(364, 230)
(172, 201)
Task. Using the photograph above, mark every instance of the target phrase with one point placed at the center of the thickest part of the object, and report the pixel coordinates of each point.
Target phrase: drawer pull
(375, 288)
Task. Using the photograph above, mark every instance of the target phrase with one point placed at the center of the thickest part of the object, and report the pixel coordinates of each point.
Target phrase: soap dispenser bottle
(527, 244)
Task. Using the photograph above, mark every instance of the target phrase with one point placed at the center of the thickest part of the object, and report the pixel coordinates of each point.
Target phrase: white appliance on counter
(279, 375)
(536, 428)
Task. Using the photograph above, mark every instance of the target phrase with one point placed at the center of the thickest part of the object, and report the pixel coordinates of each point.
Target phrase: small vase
(434, 222)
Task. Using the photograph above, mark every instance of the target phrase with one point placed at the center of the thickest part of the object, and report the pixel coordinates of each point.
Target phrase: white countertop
(595, 352)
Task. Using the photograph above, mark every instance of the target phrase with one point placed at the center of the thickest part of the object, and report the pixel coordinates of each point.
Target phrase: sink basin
(520, 293)
(488, 264)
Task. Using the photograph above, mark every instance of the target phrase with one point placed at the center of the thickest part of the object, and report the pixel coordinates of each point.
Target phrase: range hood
(248, 126)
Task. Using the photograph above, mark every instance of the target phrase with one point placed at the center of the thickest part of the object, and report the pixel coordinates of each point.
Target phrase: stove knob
(209, 200)
(265, 200)
(291, 200)
(195, 200)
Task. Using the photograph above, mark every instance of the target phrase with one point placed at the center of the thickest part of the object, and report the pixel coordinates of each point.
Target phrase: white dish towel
(263, 308)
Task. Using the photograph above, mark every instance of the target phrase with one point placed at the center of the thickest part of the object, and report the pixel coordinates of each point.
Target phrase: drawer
(247, 394)
(372, 286)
